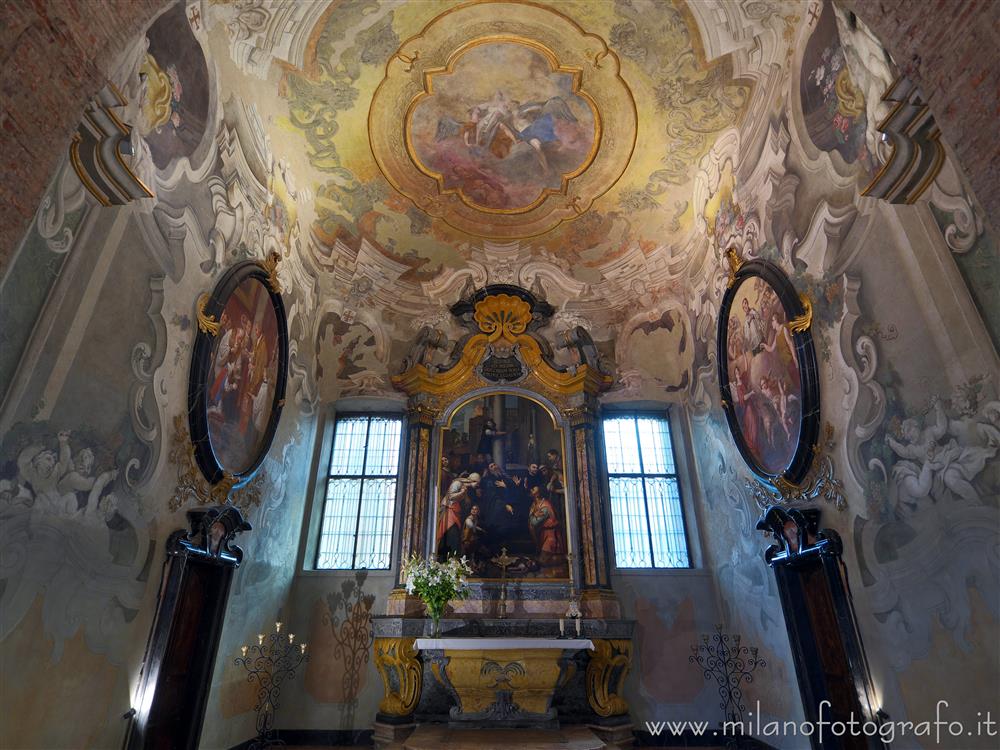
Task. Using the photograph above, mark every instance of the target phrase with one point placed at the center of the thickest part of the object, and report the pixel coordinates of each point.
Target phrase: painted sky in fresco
(502, 127)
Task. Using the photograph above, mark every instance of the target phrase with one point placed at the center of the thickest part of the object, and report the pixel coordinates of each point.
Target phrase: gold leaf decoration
(801, 323)
(192, 485)
(206, 323)
(502, 316)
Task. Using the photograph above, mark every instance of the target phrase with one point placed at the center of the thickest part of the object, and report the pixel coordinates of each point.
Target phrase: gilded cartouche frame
(210, 307)
(569, 501)
(798, 313)
(409, 75)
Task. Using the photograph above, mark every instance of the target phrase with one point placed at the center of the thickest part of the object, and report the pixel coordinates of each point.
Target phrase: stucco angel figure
(931, 466)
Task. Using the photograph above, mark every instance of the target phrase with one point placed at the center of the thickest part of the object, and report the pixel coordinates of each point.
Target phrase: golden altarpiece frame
(505, 359)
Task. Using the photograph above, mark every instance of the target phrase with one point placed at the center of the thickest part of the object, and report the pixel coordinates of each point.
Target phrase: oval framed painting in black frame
(768, 372)
(239, 368)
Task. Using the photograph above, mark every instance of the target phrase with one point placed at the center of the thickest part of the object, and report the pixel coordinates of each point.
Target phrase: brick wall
(951, 49)
(52, 57)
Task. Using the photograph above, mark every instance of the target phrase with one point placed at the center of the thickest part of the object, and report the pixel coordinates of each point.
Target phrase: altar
(491, 673)
(502, 681)
(501, 468)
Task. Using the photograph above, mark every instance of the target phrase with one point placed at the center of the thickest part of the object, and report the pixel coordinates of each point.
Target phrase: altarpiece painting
(502, 486)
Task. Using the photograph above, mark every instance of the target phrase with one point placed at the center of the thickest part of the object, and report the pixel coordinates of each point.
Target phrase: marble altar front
(502, 681)
(502, 673)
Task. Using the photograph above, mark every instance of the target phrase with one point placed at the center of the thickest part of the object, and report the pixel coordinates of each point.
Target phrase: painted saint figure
(545, 528)
(449, 528)
(754, 330)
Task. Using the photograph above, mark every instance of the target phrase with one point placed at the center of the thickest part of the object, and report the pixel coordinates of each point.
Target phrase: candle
(291, 638)
(277, 627)
(260, 639)
(244, 649)
(562, 627)
(577, 626)
(302, 647)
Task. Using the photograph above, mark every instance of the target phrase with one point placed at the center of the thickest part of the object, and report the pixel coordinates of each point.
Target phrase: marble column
(420, 470)
(593, 561)
(500, 418)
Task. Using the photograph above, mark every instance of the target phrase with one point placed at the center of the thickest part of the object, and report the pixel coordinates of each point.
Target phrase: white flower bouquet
(437, 583)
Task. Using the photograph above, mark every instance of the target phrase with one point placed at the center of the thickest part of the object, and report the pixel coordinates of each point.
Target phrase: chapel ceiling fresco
(574, 87)
(503, 125)
(594, 150)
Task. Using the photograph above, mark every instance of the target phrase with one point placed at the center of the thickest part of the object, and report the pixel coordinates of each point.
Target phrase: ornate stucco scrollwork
(819, 483)
(192, 485)
(735, 263)
(917, 154)
(609, 664)
(401, 671)
(500, 318)
(99, 148)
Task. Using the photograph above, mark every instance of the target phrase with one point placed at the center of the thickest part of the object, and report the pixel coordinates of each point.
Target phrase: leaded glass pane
(631, 530)
(657, 450)
(620, 446)
(340, 518)
(349, 447)
(383, 446)
(666, 524)
(375, 523)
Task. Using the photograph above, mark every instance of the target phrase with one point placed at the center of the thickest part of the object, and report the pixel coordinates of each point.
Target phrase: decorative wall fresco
(74, 531)
(511, 122)
(174, 97)
(833, 106)
(269, 151)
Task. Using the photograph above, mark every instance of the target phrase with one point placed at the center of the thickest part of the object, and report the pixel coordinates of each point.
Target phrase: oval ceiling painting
(503, 125)
(504, 128)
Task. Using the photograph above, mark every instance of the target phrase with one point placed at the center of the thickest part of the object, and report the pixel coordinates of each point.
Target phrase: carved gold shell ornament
(440, 97)
(502, 316)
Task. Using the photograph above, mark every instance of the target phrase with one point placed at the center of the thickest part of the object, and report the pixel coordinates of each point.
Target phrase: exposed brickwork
(951, 49)
(53, 54)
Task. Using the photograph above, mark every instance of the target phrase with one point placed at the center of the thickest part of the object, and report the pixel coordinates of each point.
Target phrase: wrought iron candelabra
(270, 662)
(723, 658)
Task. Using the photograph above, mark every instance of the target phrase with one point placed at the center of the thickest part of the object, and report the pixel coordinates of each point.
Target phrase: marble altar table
(454, 680)
(499, 681)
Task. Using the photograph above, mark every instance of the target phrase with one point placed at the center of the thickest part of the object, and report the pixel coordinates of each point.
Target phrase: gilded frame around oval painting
(567, 49)
(768, 373)
(217, 390)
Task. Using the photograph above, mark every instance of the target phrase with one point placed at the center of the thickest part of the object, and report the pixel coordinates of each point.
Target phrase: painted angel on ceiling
(501, 123)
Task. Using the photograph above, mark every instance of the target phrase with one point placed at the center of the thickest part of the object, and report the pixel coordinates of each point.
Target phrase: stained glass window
(646, 517)
(356, 529)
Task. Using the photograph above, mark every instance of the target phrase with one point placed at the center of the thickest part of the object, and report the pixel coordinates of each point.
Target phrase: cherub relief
(944, 455)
